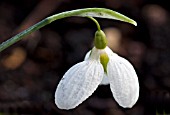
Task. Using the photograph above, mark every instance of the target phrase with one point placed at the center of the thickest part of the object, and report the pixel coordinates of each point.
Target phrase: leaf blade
(95, 12)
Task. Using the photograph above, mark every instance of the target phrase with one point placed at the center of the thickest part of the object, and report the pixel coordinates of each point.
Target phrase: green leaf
(106, 13)
(96, 12)
(93, 12)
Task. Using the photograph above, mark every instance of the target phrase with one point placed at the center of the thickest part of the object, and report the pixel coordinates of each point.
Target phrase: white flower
(81, 80)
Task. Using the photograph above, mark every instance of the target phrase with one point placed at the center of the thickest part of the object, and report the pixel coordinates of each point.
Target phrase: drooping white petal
(123, 81)
(110, 52)
(105, 80)
(78, 83)
(87, 55)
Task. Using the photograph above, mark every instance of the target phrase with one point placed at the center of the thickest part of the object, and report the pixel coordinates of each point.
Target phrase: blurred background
(31, 69)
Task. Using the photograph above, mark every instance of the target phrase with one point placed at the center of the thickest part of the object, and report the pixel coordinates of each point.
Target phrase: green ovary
(100, 40)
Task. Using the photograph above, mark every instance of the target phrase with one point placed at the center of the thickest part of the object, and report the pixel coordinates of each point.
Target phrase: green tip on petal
(100, 40)
(104, 59)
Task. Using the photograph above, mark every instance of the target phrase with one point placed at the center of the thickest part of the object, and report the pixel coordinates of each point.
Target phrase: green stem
(92, 12)
(24, 33)
(97, 24)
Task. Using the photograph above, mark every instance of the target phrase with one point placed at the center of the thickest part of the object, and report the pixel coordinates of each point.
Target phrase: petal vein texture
(123, 81)
(78, 83)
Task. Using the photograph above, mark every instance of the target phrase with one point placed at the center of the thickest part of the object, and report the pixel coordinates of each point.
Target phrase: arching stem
(94, 20)
(92, 12)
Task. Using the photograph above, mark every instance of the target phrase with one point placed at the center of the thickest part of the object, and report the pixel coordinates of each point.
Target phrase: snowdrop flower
(101, 66)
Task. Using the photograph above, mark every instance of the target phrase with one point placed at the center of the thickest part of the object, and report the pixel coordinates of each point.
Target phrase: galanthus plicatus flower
(101, 66)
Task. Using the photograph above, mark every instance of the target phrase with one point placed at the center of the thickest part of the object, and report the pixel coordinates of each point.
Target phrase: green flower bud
(100, 40)
(104, 59)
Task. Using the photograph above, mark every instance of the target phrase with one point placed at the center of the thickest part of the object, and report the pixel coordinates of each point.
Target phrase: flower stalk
(96, 22)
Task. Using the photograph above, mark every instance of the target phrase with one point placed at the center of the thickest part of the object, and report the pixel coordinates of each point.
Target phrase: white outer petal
(78, 83)
(123, 81)
(110, 52)
(87, 55)
(105, 80)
